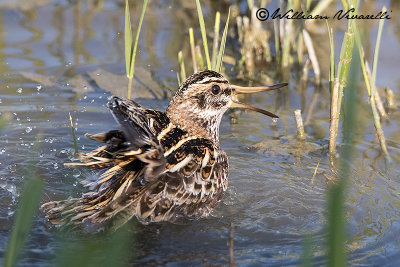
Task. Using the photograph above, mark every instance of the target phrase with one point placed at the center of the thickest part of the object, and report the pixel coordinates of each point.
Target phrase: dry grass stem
(299, 121)
(334, 117)
(313, 57)
(378, 100)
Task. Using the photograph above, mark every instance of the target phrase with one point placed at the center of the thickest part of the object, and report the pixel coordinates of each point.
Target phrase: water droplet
(19, 90)
(38, 87)
(76, 173)
(28, 129)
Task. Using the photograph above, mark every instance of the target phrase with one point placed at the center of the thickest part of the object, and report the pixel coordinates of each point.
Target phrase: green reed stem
(371, 93)
(332, 58)
(27, 208)
(376, 53)
(182, 66)
(306, 258)
(199, 58)
(343, 73)
(192, 50)
(222, 45)
(321, 6)
(215, 41)
(179, 79)
(130, 53)
(336, 220)
(128, 40)
(263, 3)
(250, 3)
(277, 42)
(203, 33)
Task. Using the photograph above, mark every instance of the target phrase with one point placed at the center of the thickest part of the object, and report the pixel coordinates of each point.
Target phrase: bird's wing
(130, 158)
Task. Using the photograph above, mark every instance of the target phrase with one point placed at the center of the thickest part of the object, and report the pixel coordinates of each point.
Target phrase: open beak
(247, 90)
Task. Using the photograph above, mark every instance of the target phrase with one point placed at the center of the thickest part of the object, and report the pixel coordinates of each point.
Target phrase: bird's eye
(215, 89)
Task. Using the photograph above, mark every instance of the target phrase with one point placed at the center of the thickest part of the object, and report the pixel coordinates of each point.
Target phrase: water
(272, 200)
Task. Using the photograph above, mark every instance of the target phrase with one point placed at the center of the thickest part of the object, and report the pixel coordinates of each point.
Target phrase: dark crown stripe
(214, 81)
(198, 76)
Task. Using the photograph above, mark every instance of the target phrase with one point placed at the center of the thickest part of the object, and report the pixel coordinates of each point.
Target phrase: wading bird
(160, 165)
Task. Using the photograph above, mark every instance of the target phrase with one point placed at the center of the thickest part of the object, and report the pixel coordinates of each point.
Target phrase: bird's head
(197, 107)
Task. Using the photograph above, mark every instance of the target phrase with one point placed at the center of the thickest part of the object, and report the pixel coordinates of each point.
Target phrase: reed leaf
(332, 58)
(371, 92)
(128, 39)
(250, 4)
(215, 41)
(27, 208)
(222, 46)
(203, 33)
(377, 46)
(192, 50)
(130, 53)
(182, 66)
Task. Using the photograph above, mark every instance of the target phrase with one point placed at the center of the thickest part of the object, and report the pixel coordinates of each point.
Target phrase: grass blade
(105, 249)
(128, 39)
(222, 46)
(336, 193)
(203, 33)
(371, 93)
(332, 58)
(277, 42)
(182, 66)
(306, 258)
(73, 133)
(199, 58)
(134, 50)
(250, 4)
(346, 54)
(215, 41)
(179, 79)
(192, 50)
(137, 37)
(27, 208)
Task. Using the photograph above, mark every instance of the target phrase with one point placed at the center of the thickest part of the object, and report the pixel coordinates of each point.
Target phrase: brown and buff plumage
(158, 166)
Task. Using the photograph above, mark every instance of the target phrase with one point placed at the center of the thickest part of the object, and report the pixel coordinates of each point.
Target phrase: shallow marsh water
(272, 200)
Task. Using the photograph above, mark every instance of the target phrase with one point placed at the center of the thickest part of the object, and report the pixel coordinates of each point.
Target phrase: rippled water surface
(53, 55)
